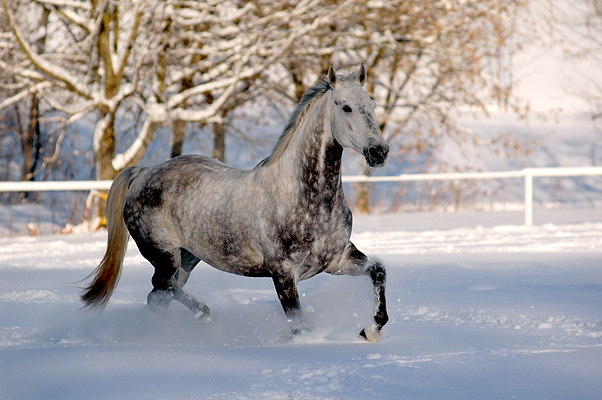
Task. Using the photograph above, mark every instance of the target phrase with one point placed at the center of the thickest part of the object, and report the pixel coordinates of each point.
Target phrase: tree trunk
(104, 165)
(179, 127)
(219, 141)
(108, 165)
(30, 145)
(31, 142)
(179, 131)
(363, 198)
(363, 194)
(218, 150)
(28, 140)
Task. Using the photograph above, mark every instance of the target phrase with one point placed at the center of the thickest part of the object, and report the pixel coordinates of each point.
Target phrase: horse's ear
(361, 75)
(332, 76)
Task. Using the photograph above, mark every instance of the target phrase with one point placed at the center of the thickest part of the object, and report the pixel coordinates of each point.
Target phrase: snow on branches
(177, 61)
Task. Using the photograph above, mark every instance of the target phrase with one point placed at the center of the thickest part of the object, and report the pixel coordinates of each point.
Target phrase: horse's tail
(106, 275)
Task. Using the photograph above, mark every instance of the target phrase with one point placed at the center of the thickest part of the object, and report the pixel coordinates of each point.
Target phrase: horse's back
(175, 175)
(198, 203)
(183, 187)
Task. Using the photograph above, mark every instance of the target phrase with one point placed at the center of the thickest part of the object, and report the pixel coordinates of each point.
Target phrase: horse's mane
(313, 93)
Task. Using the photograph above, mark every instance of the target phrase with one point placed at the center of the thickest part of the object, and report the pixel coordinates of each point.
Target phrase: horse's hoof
(297, 331)
(370, 333)
(203, 315)
(158, 302)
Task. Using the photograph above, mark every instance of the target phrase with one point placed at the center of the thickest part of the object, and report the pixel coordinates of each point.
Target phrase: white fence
(527, 174)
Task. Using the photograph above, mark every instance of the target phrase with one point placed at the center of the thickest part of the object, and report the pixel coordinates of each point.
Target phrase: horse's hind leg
(165, 265)
(200, 310)
(354, 262)
(187, 264)
(171, 273)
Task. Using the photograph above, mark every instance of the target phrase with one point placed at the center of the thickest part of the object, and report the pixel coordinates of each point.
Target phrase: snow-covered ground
(480, 307)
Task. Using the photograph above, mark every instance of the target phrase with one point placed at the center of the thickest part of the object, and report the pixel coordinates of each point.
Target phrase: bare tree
(427, 62)
(162, 58)
(223, 33)
(175, 62)
(23, 119)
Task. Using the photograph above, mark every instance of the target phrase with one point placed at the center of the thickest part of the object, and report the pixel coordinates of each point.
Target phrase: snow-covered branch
(136, 150)
(52, 70)
(22, 95)
(77, 5)
(270, 51)
(76, 19)
(180, 61)
(123, 57)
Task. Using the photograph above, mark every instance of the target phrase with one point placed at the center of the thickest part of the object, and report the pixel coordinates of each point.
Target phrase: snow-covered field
(481, 308)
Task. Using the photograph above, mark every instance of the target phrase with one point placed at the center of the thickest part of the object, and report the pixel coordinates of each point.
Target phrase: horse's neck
(316, 156)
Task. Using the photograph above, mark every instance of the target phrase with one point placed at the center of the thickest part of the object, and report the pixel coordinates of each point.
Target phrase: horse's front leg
(286, 288)
(377, 273)
(354, 262)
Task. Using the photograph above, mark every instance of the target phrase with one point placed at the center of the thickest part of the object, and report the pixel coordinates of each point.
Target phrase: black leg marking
(159, 300)
(286, 288)
(377, 273)
(187, 264)
(161, 296)
(170, 270)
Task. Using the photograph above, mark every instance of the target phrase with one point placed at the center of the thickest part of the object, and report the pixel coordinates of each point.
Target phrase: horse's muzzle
(376, 155)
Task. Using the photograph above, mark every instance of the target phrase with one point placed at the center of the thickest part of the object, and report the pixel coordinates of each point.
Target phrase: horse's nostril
(375, 153)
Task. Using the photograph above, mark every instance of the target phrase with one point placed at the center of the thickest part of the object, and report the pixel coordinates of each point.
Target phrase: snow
(480, 307)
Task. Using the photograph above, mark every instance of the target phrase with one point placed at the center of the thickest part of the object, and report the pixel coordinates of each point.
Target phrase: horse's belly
(256, 271)
(234, 256)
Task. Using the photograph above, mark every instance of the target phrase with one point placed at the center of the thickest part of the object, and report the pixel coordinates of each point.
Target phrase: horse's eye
(347, 109)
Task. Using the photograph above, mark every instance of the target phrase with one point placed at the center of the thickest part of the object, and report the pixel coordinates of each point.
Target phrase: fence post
(528, 197)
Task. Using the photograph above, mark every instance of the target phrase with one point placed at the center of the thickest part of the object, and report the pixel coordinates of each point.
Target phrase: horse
(286, 219)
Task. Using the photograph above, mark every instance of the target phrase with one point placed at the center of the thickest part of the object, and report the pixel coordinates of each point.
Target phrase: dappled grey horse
(287, 218)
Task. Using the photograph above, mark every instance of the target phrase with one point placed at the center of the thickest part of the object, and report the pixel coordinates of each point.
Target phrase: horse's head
(352, 118)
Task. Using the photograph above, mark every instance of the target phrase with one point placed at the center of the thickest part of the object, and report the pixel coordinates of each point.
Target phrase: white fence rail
(53, 186)
(527, 174)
